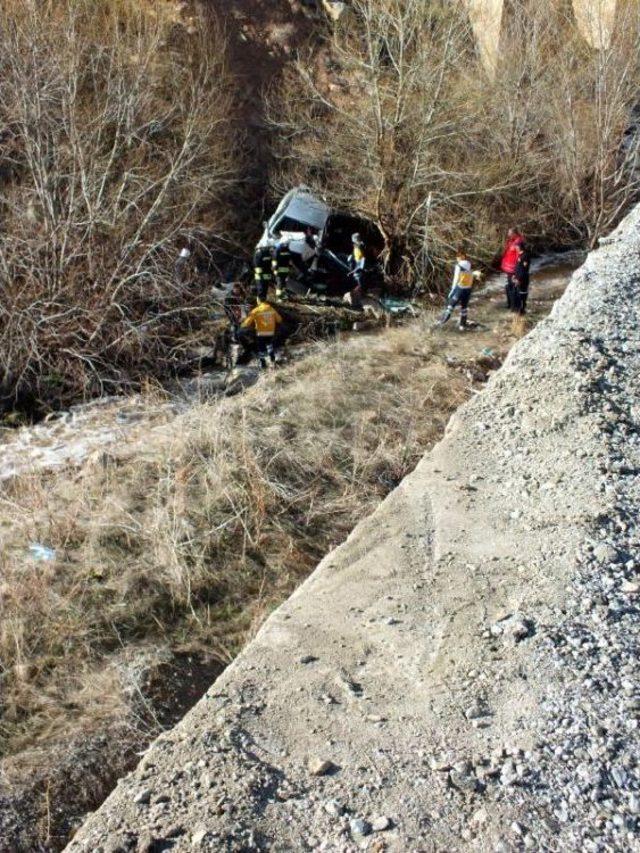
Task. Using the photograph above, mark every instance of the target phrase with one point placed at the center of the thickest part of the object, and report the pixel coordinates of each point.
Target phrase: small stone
(198, 837)
(334, 808)
(359, 827)
(142, 797)
(508, 774)
(441, 763)
(480, 817)
(619, 775)
(605, 553)
(321, 766)
(465, 782)
(381, 823)
(630, 587)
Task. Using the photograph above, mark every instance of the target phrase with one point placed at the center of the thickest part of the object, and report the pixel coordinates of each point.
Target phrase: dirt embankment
(463, 671)
(168, 538)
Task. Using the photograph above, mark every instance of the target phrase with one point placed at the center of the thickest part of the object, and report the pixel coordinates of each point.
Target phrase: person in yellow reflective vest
(357, 262)
(261, 325)
(460, 293)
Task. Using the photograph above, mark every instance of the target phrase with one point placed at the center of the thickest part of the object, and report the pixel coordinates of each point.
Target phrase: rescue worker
(357, 261)
(281, 266)
(521, 277)
(263, 271)
(508, 264)
(262, 325)
(460, 292)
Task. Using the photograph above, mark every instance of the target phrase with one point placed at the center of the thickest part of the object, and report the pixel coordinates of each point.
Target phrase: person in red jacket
(508, 264)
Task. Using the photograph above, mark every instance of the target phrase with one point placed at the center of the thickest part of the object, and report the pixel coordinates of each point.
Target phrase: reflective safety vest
(359, 258)
(465, 279)
(264, 319)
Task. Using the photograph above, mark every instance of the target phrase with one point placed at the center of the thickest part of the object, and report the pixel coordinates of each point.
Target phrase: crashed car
(319, 239)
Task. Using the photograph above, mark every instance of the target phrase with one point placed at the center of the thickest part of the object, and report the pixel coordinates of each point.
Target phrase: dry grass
(185, 544)
(193, 542)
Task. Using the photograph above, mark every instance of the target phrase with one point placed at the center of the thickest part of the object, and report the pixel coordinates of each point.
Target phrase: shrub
(115, 146)
(411, 124)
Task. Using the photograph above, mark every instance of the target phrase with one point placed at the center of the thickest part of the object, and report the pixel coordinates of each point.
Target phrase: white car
(320, 237)
(298, 212)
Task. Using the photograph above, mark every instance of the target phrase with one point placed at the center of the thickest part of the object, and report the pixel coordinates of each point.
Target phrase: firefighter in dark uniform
(263, 271)
(281, 266)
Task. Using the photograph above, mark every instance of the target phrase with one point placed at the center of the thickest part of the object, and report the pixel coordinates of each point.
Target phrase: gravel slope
(462, 672)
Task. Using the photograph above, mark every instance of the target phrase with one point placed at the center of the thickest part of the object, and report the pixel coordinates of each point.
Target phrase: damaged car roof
(299, 209)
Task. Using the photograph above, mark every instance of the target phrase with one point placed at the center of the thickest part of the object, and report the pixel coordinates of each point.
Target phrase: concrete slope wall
(462, 672)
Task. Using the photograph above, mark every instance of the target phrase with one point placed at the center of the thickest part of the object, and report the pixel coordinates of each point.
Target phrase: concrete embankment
(462, 672)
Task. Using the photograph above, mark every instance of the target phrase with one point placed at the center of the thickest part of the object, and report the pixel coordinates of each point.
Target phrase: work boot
(444, 317)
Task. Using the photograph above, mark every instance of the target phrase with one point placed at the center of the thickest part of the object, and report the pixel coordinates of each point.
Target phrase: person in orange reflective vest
(261, 325)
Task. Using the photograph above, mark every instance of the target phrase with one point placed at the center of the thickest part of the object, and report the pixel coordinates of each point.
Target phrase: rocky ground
(462, 672)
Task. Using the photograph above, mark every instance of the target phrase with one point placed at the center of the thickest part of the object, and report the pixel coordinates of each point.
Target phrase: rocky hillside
(462, 672)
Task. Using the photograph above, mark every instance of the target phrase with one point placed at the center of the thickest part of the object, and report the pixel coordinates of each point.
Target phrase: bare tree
(592, 125)
(114, 144)
(377, 136)
(415, 125)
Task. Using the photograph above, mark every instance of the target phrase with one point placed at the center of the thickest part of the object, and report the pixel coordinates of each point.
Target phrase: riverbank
(181, 539)
(462, 673)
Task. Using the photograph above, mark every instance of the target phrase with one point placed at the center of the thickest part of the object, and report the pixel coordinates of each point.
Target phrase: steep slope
(462, 672)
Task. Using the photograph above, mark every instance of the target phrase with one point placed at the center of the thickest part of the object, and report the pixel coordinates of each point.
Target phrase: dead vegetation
(187, 545)
(120, 142)
(182, 543)
(404, 122)
(211, 525)
(116, 147)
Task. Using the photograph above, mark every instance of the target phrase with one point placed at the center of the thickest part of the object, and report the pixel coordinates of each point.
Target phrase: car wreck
(319, 240)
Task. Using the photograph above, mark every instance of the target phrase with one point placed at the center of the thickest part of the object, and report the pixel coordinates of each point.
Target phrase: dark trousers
(265, 347)
(510, 290)
(522, 295)
(459, 296)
